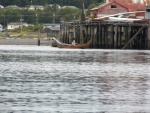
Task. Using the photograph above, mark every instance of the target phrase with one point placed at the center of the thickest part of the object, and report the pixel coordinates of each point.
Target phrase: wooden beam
(133, 37)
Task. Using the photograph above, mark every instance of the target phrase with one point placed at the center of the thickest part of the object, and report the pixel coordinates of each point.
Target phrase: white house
(48, 25)
(14, 25)
(1, 7)
(36, 7)
(13, 7)
(1, 28)
(73, 7)
(53, 5)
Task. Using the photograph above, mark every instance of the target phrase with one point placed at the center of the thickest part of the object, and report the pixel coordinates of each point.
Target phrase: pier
(107, 35)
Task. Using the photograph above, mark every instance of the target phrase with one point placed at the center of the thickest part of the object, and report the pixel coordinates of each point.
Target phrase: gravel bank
(26, 41)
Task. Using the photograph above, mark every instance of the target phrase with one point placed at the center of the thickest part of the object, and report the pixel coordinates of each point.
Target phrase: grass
(21, 35)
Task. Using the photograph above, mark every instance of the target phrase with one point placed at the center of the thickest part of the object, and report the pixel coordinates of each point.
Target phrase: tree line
(48, 15)
(40, 16)
(23, 3)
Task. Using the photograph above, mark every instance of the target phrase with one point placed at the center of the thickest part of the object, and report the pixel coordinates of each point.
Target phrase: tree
(68, 14)
(92, 6)
(23, 3)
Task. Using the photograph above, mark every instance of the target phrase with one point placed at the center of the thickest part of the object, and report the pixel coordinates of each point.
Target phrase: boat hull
(70, 46)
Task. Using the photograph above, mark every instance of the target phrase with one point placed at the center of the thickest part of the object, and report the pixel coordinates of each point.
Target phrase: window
(113, 6)
(147, 10)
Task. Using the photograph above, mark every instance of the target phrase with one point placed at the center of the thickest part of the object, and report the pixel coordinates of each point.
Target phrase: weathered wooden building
(115, 7)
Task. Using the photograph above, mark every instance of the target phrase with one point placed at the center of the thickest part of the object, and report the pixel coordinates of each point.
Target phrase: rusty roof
(133, 6)
(145, 2)
(124, 3)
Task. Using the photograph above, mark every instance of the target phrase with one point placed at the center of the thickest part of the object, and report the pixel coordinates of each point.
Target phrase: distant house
(53, 5)
(13, 7)
(36, 7)
(73, 7)
(114, 7)
(50, 25)
(1, 28)
(1, 7)
(51, 29)
(14, 25)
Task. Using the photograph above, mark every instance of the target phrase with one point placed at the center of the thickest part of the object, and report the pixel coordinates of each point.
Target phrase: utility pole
(21, 20)
(4, 21)
(39, 33)
(83, 12)
(54, 10)
(36, 18)
(74, 31)
(53, 17)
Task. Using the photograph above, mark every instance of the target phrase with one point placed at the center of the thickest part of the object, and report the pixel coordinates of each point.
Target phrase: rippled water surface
(51, 80)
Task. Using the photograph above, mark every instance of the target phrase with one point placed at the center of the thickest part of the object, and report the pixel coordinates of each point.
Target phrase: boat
(121, 17)
(72, 46)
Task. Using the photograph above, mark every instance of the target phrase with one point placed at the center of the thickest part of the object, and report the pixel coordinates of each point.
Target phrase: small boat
(122, 17)
(72, 46)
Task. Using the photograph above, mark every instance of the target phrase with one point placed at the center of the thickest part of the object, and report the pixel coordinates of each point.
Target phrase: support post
(116, 37)
(148, 37)
(111, 36)
(39, 36)
(100, 35)
(133, 37)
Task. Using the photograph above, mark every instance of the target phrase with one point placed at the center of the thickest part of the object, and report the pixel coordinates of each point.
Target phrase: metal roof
(145, 2)
(130, 6)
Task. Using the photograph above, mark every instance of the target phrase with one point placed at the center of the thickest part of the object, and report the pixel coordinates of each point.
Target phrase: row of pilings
(107, 35)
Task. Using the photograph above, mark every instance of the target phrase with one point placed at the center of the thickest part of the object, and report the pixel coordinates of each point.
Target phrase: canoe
(71, 46)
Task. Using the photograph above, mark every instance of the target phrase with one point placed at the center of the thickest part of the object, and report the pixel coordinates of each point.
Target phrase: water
(51, 80)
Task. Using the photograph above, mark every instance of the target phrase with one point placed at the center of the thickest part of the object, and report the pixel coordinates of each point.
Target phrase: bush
(28, 29)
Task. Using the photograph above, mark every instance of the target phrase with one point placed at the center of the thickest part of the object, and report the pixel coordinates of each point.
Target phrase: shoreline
(24, 41)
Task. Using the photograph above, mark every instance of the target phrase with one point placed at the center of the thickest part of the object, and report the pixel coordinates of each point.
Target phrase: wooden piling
(107, 35)
(39, 37)
(133, 37)
(111, 36)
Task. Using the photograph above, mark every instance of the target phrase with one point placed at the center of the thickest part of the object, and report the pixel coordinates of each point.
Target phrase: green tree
(68, 14)
(92, 6)
(77, 3)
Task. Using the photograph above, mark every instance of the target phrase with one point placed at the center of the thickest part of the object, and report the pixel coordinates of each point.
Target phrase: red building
(145, 2)
(115, 7)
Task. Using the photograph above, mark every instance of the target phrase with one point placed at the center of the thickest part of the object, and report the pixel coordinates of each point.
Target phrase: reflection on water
(49, 80)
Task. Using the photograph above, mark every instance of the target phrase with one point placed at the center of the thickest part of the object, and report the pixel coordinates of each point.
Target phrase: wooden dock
(107, 35)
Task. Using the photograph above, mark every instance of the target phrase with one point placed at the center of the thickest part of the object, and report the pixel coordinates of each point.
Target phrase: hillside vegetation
(39, 17)
(23, 3)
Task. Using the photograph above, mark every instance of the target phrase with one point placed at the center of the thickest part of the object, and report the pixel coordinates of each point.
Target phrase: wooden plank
(133, 37)
(146, 39)
(39, 37)
(116, 36)
(129, 35)
(106, 36)
(100, 35)
(126, 34)
(112, 36)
